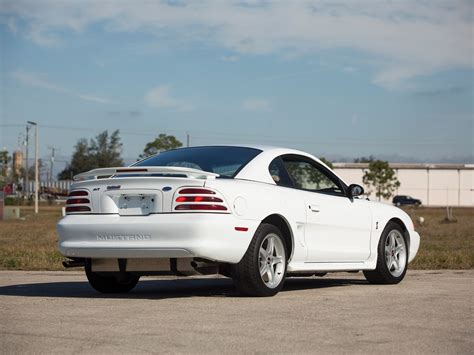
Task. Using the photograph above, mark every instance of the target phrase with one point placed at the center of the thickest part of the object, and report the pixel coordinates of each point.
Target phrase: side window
(279, 174)
(309, 176)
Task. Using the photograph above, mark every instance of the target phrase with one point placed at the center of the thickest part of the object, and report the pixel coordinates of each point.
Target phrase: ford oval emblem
(167, 188)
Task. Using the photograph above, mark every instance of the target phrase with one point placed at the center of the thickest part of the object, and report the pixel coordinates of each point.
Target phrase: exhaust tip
(74, 263)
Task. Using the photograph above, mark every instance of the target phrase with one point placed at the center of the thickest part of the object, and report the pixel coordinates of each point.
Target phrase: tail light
(77, 193)
(78, 201)
(194, 191)
(198, 200)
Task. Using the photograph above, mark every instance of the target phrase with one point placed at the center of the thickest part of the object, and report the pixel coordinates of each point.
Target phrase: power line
(316, 142)
(11, 125)
(263, 138)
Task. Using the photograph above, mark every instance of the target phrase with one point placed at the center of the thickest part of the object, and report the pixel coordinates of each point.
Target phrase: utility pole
(53, 149)
(36, 164)
(27, 182)
(187, 139)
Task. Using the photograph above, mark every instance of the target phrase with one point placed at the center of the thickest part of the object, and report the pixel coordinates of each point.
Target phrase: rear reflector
(192, 191)
(77, 201)
(78, 193)
(195, 207)
(241, 229)
(198, 199)
(71, 209)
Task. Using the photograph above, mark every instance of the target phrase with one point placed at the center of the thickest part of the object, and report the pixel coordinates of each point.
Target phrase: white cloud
(254, 104)
(401, 39)
(99, 63)
(12, 25)
(93, 98)
(160, 97)
(41, 81)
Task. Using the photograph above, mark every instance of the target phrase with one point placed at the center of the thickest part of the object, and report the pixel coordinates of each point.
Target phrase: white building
(433, 184)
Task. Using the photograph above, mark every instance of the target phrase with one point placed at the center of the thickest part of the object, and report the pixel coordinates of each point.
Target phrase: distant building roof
(407, 166)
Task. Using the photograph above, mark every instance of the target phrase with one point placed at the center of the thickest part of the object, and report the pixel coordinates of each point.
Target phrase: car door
(338, 229)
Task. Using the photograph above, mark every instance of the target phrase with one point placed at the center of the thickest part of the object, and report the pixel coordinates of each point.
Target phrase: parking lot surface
(56, 312)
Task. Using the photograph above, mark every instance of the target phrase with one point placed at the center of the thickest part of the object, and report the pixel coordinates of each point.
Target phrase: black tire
(111, 284)
(246, 274)
(382, 275)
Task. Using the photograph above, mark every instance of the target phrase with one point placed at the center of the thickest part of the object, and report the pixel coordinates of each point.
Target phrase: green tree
(81, 160)
(160, 144)
(106, 151)
(4, 161)
(381, 178)
(101, 152)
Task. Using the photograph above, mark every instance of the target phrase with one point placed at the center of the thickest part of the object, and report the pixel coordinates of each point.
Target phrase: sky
(340, 79)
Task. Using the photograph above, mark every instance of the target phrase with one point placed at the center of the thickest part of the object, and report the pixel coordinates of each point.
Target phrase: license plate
(136, 205)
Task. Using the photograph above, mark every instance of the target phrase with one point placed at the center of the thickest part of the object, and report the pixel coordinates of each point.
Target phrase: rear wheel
(261, 272)
(111, 284)
(392, 258)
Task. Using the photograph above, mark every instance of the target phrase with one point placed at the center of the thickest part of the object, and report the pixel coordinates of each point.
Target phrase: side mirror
(354, 190)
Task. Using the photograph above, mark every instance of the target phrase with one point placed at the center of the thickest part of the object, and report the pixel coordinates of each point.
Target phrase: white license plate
(136, 205)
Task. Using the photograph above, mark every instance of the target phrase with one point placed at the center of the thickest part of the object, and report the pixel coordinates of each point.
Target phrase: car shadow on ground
(164, 289)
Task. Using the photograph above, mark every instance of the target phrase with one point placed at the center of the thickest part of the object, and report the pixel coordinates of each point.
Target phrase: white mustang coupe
(256, 214)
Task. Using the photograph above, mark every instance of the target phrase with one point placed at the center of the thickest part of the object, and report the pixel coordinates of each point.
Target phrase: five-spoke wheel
(271, 260)
(395, 253)
(392, 258)
(261, 272)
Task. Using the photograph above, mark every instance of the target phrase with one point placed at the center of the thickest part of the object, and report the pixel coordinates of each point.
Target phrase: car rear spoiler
(144, 170)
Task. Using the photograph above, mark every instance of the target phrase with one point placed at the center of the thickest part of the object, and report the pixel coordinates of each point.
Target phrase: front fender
(383, 214)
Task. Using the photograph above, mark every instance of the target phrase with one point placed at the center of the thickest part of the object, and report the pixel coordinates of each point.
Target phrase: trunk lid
(134, 195)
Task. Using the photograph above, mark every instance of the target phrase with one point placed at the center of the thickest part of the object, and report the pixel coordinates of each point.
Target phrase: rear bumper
(414, 245)
(204, 235)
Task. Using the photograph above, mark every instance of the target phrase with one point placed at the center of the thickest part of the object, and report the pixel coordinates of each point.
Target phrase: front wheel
(261, 272)
(392, 258)
(111, 284)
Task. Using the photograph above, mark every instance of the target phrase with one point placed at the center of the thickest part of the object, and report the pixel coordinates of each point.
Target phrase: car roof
(262, 147)
(257, 168)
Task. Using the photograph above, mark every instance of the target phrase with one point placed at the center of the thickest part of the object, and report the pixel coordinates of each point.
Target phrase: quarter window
(279, 174)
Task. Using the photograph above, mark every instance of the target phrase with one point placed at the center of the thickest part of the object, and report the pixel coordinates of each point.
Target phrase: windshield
(225, 161)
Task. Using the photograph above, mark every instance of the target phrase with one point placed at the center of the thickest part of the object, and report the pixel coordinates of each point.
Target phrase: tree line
(105, 150)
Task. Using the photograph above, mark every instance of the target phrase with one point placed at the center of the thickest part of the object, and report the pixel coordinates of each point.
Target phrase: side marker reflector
(241, 229)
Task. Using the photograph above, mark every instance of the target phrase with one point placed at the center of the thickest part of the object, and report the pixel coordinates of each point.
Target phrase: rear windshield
(225, 161)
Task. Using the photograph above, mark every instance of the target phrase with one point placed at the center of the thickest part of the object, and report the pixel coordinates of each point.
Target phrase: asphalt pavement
(57, 312)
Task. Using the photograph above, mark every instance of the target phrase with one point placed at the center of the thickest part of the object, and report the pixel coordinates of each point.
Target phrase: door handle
(314, 208)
